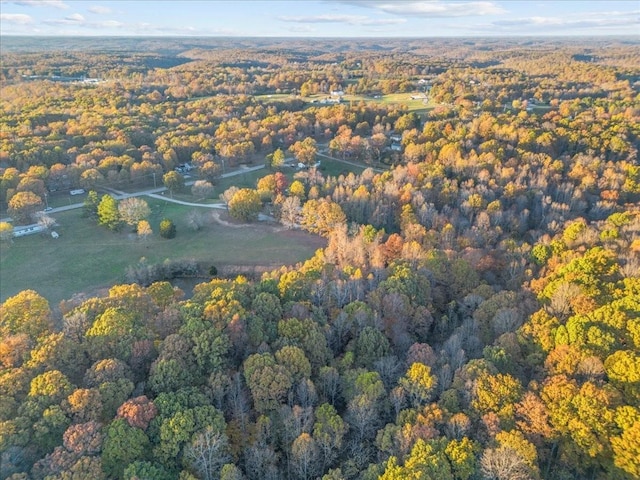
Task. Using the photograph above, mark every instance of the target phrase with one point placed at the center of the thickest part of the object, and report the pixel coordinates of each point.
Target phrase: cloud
(109, 24)
(74, 19)
(302, 29)
(16, 18)
(348, 19)
(99, 10)
(432, 8)
(40, 3)
(590, 20)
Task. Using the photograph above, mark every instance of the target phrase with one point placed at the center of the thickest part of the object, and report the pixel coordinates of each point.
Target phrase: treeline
(372, 359)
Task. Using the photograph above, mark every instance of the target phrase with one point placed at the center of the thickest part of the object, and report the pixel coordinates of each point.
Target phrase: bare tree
(45, 221)
(202, 189)
(195, 220)
(290, 212)
(207, 453)
(504, 463)
(305, 456)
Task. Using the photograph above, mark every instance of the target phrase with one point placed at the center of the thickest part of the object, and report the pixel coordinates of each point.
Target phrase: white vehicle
(78, 191)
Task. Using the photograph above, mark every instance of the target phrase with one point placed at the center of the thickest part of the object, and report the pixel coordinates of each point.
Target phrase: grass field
(87, 257)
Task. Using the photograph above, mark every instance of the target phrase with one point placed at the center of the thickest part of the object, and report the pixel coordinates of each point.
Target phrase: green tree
(462, 456)
(91, 203)
(108, 214)
(178, 431)
(329, 431)
(141, 470)
(122, 446)
(268, 382)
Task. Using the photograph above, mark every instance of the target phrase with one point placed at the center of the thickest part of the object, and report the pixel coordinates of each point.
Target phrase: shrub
(167, 228)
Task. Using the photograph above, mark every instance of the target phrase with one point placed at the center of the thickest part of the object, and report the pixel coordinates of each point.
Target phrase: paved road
(120, 195)
(153, 192)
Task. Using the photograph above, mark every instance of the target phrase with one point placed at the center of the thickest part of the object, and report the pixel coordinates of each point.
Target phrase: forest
(473, 313)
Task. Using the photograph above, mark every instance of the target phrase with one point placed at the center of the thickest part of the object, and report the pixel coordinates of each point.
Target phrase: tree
(138, 412)
(195, 219)
(144, 230)
(140, 470)
(28, 313)
(108, 214)
(245, 205)
(276, 159)
(123, 445)
(91, 203)
(22, 207)
(626, 449)
(328, 432)
(504, 463)
(419, 383)
(167, 228)
(322, 216)
(202, 189)
(305, 151)
(290, 212)
(173, 181)
(6, 232)
(90, 178)
(210, 172)
(304, 456)
(296, 189)
(268, 382)
(207, 453)
(132, 210)
(228, 194)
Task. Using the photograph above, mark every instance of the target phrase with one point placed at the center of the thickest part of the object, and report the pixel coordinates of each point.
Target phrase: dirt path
(217, 217)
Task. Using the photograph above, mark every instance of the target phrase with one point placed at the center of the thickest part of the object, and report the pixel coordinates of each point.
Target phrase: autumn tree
(305, 151)
(276, 159)
(143, 229)
(202, 189)
(28, 313)
(23, 206)
(6, 232)
(132, 210)
(167, 228)
(322, 216)
(245, 205)
(173, 181)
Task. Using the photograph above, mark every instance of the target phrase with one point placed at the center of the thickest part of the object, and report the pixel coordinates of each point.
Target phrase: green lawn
(87, 257)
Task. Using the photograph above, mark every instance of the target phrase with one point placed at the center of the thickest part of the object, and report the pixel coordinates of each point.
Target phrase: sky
(320, 18)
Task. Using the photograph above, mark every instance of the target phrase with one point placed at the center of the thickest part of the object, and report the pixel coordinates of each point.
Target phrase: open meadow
(86, 257)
